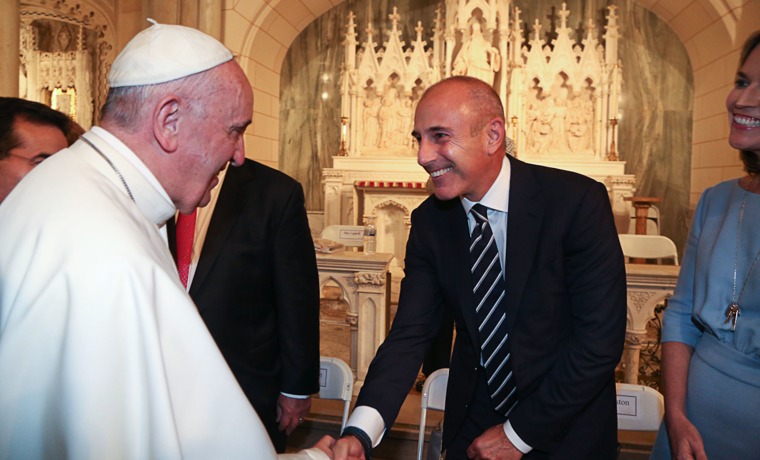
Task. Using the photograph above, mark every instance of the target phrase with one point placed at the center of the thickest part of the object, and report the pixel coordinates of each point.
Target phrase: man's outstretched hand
(348, 448)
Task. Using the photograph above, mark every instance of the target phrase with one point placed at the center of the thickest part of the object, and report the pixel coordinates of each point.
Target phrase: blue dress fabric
(723, 388)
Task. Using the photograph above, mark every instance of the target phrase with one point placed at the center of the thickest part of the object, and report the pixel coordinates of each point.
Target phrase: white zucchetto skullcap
(165, 52)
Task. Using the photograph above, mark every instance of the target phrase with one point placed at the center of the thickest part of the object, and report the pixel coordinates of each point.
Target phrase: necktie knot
(480, 213)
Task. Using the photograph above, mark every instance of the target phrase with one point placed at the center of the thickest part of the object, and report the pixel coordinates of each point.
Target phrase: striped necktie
(490, 312)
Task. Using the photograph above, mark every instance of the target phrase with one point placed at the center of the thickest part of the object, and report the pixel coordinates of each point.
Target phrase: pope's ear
(495, 132)
(166, 122)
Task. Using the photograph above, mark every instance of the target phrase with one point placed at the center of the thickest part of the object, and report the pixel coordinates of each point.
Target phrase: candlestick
(343, 151)
(612, 155)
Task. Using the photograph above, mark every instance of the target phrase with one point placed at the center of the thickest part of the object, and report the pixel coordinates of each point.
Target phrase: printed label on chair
(323, 376)
(351, 234)
(626, 405)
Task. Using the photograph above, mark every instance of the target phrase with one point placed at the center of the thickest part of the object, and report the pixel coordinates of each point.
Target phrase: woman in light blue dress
(711, 329)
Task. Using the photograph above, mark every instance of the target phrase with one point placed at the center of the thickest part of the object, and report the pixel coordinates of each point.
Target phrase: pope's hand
(348, 448)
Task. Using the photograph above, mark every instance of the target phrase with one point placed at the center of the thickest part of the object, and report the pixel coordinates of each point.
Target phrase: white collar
(497, 197)
(150, 196)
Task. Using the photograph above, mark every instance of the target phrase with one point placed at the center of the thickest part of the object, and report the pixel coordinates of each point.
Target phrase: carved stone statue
(406, 113)
(477, 58)
(579, 123)
(388, 117)
(371, 125)
(556, 104)
(541, 119)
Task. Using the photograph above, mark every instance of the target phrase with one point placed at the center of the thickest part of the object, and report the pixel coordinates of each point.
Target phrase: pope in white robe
(102, 353)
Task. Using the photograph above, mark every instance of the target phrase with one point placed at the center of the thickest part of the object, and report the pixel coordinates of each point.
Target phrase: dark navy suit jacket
(566, 307)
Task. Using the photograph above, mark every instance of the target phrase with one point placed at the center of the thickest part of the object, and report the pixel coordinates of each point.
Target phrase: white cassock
(102, 353)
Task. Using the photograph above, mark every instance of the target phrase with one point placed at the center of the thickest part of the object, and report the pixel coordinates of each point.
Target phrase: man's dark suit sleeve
(594, 277)
(417, 321)
(297, 293)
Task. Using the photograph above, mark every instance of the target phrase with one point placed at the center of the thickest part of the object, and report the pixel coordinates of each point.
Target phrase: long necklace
(734, 310)
(118, 173)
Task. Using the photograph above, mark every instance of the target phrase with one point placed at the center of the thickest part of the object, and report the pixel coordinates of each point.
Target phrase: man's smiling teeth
(747, 121)
(440, 172)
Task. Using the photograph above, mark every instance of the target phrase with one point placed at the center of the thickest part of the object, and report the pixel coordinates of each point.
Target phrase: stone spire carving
(560, 94)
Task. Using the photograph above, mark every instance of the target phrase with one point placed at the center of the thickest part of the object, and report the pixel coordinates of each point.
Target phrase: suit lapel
(171, 235)
(457, 260)
(229, 207)
(525, 216)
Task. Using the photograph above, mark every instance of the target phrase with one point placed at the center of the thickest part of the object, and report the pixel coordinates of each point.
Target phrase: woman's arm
(685, 440)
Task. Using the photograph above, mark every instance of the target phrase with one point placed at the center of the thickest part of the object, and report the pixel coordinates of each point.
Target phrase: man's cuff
(288, 395)
(515, 439)
(363, 438)
(369, 420)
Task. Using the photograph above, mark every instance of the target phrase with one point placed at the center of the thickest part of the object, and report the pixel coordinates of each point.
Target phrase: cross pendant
(732, 314)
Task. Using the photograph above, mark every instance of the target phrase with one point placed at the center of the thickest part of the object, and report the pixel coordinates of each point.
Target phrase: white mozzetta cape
(102, 353)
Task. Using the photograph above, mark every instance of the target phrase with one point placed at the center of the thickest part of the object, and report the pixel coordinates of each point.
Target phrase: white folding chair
(649, 247)
(639, 407)
(336, 381)
(348, 235)
(433, 397)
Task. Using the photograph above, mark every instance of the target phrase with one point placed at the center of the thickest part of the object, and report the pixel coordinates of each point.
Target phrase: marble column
(362, 280)
(647, 286)
(188, 13)
(205, 15)
(210, 17)
(163, 11)
(332, 183)
(9, 43)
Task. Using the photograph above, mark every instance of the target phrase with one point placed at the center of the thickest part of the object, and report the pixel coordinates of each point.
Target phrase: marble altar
(363, 282)
(654, 130)
(560, 93)
(62, 62)
(648, 285)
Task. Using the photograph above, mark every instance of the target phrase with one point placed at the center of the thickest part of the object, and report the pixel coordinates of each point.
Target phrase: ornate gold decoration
(343, 151)
(65, 100)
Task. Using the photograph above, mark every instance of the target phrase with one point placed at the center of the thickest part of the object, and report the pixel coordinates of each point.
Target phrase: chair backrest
(433, 397)
(336, 381)
(649, 247)
(639, 407)
(348, 235)
(653, 221)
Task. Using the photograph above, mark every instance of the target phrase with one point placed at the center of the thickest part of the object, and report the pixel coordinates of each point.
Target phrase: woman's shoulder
(721, 191)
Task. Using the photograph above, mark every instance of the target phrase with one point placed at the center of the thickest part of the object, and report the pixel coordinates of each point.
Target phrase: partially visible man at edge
(29, 133)
(102, 352)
